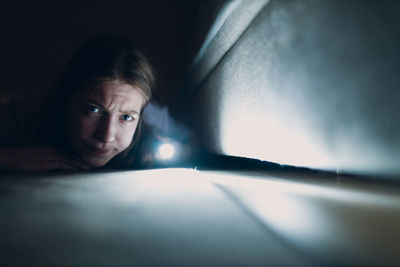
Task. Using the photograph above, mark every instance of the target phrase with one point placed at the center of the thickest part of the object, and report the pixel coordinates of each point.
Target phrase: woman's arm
(38, 158)
(15, 152)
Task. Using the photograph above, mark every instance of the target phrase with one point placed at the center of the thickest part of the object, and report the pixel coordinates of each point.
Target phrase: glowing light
(166, 151)
(268, 138)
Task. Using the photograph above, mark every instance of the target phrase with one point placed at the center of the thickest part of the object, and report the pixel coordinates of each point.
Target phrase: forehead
(115, 94)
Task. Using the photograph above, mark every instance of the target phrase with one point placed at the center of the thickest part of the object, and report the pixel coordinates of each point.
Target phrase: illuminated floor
(182, 217)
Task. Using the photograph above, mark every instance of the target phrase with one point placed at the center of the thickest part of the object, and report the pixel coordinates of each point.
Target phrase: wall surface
(306, 83)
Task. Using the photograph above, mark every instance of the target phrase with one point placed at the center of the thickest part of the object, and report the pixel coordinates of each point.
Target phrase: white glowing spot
(166, 151)
(265, 137)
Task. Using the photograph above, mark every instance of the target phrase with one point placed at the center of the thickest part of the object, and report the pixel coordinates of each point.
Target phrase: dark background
(38, 38)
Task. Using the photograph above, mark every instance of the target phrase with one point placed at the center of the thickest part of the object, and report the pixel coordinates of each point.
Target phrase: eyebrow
(128, 111)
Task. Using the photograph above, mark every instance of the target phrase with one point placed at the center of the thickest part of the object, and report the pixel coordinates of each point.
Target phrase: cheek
(87, 126)
(125, 137)
(80, 126)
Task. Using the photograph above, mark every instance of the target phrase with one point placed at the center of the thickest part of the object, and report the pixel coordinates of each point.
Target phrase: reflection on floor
(184, 217)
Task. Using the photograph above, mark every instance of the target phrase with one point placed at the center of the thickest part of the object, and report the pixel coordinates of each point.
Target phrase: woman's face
(102, 120)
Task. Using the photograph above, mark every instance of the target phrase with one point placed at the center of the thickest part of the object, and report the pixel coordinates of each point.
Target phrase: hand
(39, 158)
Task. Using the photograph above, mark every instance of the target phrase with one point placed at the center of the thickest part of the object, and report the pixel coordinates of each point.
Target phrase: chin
(96, 162)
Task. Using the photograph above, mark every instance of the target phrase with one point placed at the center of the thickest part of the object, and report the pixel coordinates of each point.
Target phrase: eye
(127, 117)
(92, 108)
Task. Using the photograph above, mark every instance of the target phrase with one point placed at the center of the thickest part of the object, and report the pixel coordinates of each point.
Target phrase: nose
(105, 132)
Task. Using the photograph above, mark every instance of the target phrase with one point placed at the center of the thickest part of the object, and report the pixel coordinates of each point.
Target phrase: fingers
(53, 159)
(75, 163)
(68, 162)
(54, 165)
(67, 166)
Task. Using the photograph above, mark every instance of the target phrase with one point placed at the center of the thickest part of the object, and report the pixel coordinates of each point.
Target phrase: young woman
(92, 119)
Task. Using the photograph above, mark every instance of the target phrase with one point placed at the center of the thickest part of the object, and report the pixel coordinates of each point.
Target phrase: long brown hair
(107, 57)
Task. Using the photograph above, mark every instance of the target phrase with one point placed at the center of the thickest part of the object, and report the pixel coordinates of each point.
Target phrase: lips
(96, 151)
